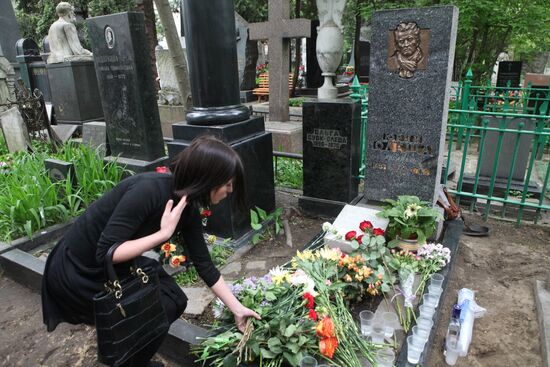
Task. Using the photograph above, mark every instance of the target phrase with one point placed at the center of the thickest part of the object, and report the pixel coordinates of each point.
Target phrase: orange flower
(325, 328)
(168, 247)
(327, 346)
(176, 261)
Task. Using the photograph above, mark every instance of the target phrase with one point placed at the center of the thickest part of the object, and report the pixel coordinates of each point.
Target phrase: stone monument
(70, 68)
(412, 55)
(128, 95)
(330, 40)
(278, 31)
(7, 79)
(32, 67)
(63, 37)
(9, 30)
(210, 37)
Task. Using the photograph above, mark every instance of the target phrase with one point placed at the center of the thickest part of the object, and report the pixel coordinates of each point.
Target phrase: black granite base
(74, 91)
(320, 207)
(247, 96)
(343, 91)
(255, 148)
(500, 186)
(331, 146)
(136, 165)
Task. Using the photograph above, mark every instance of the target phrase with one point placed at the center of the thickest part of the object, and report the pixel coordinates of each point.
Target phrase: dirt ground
(501, 268)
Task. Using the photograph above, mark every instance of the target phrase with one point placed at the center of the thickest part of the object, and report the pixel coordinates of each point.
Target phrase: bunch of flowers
(167, 255)
(434, 257)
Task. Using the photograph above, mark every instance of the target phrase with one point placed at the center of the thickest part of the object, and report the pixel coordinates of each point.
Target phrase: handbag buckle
(144, 277)
(118, 289)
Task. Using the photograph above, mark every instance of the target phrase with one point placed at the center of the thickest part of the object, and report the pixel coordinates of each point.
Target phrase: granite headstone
(32, 67)
(509, 71)
(94, 135)
(59, 170)
(169, 93)
(7, 80)
(539, 93)
(14, 130)
(9, 30)
(362, 70)
(408, 101)
(123, 67)
(331, 141)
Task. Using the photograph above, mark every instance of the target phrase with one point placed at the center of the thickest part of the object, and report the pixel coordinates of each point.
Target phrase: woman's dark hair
(207, 164)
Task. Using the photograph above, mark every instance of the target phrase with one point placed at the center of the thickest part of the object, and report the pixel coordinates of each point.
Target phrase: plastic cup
(414, 350)
(430, 300)
(426, 311)
(420, 335)
(435, 290)
(367, 319)
(377, 334)
(437, 280)
(390, 322)
(384, 357)
(308, 361)
(424, 323)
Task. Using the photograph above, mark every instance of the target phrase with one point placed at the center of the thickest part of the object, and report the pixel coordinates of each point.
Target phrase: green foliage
(188, 277)
(296, 102)
(409, 218)
(288, 172)
(3, 146)
(258, 220)
(30, 201)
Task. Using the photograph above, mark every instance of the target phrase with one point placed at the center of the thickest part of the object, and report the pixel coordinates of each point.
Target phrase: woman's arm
(241, 313)
(134, 248)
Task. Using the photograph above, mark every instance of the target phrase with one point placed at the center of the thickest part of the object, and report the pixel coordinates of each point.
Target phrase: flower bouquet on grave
(410, 220)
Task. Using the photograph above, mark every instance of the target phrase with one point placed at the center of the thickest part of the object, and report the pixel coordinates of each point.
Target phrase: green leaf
(261, 213)
(293, 359)
(290, 330)
(354, 244)
(380, 240)
(256, 226)
(256, 238)
(267, 354)
(294, 348)
(230, 361)
(270, 296)
(253, 217)
(385, 288)
(274, 345)
(393, 243)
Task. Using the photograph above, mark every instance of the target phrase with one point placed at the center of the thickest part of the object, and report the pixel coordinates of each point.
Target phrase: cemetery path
(502, 268)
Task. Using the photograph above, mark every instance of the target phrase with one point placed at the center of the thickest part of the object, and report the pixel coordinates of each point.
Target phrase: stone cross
(278, 31)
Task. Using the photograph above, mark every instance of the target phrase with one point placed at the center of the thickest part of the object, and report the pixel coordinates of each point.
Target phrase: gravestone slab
(509, 71)
(32, 67)
(94, 135)
(9, 30)
(169, 93)
(128, 95)
(507, 151)
(14, 130)
(7, 80)
(540, 84)
(362, 70)
(60, 170)
(331, 133)
(242, 38)
(408, 101)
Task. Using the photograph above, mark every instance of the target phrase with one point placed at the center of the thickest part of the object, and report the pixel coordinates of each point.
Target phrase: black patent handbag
(128, 313)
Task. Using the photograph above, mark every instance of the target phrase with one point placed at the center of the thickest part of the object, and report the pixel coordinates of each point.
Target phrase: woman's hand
(171, 217)
(241, 315)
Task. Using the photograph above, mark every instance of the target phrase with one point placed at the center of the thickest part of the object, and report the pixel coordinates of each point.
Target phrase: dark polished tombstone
(128, 95)
(408, 102)
(9, 30)
(210, 37)
(364, 59)
(331, 142)
(509, 71)
(314, 79)
(32, 67)
(60, 170)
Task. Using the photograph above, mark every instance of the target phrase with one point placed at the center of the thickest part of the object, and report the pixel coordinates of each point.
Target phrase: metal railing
(361, 92)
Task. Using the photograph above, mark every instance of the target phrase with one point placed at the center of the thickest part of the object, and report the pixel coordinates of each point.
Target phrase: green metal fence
(361, 91)
(517, 120)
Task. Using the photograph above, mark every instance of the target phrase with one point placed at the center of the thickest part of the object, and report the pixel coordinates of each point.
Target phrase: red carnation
(162, 169)
(378, 232)
(350, 235)
(358, 239)
(313, 314)
(205, 213)
(364, 225)
(310, 301)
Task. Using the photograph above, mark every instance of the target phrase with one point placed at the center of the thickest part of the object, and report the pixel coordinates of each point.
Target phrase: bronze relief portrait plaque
(408, 49)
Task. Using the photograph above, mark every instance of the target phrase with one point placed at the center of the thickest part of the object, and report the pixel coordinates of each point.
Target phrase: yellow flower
(176, 261)
(329, 254)
(307, 255)
(211, 239)
(168, 248)
(347, 278)
(279, 275)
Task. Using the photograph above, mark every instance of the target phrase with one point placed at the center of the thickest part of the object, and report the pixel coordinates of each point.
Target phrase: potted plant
(411, 221)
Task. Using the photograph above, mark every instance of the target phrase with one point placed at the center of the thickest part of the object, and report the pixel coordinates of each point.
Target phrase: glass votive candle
(437, 280)
(420, 335)
(384, 357)
(308, 361)
(390, 321)
(430, 300)
(377, 333)
(451, 353)
(366, 318)
(426, 311)
(414, 350)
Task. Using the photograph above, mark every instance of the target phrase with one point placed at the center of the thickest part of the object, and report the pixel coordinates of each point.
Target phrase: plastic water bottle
(452, 337)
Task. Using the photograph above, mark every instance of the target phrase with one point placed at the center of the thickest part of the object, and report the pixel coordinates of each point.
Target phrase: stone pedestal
(255, 148)
(331, 155)
(75, 94)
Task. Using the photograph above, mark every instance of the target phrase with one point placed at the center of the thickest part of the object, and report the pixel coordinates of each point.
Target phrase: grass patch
(288, 172)
(296, 102)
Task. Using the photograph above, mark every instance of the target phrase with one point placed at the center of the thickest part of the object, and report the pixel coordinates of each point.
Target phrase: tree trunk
(146, 6)
(175, 49)
(298, 52)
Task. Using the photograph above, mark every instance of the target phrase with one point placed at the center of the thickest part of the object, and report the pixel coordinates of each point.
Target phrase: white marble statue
(63, 37)
(330, 41)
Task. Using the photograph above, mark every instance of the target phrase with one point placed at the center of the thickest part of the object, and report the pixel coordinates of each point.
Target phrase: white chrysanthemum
(329, 254)
(279, 275)
(301, 278)
(327, 226)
